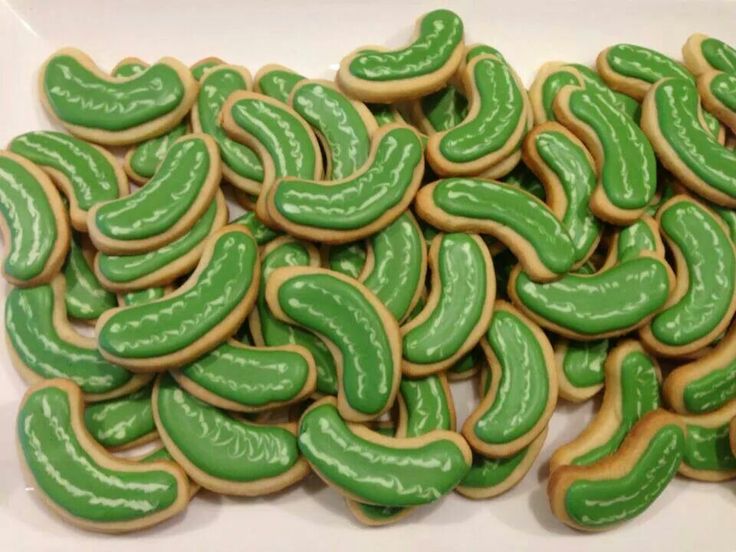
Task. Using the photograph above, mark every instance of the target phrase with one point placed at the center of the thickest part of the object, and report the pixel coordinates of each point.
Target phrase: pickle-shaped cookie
(193, 320)
(143, 296)
(629, 241)
(339, 211)
(164, 209)
(704, 299)
(718, 91)
(705, 384)
(165, 264)
(631, 390)
(580, 368)
(85, 173)
(33, 223)
(622, 486)
(241, 378)
(346, 258)
(42, 344)
(441, 110)
(708, 455)
(593, 306)
(359, 331)
(267, 330)
(698, 161)
(262, 233)
(513, 216)
(123, 422)
(91, 104)
(82, 482)
(84, 296)
(241, 166)
(523, 390)
(387, 471)
(458, 309)
(343, 126)
(200, 68)
(566, 169)
(222, 453)
(396, 265)
(285, 143)
(384, 76)
(627, 179)
(467, 367)
(276, 81)
(494, 126)
(703, 53)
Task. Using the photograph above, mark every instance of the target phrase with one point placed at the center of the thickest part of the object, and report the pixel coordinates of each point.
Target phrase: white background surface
(311, 37)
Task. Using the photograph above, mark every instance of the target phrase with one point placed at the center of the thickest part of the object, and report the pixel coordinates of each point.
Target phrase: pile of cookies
(422, 219)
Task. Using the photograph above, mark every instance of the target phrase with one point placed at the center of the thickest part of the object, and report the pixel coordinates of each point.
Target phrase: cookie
(516, 218)
(580, 368)
(718, 92)
(704, 299)
(161, 453)
(262, 233)
(200, 68)
(84, 295)
(114, 110)
(164, 264)
(566, 170)
(467, 367)
(623, 156)
(629, 241)
(143, 296)
(458, 308)
(384, 76)
(618, 488)
(702, 53)
(608, 303)
(632, 379)
(193, 320)
(78, 479)
(440, 111)
(523, 388)
(345, 258)
(400, 472)
(86, 174)
(361, 334)
(33, 223)
(340, 211)
(276, 81)
(267, 330)
(525, 179)
(497, 101)
(42, 344)
(707, 453)
(222, 453)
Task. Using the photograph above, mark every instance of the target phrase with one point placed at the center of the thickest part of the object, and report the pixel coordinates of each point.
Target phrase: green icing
(491, 472)
(262, 233)
(440, 33)
(362, 198)
(723, 87)
(72, 479)
(148, 155)
(719, 55)
(729, 217)
(644, 64)
(30, 220)
(466, 363)
(374, 512)
(445, 108)
(552, 85)
(278, 83)
(347, 258)
(157, 456)
(30, 329)
(129, 69)
(634, 239)
(427, 405)
(339, 311)
(599, 503)
(525, 179)
(385, 114)
(508, 206)
(377, 473)
(122, 420)
(85, 297)
(593, 82)
(80, 97)
(708, 448)
(200, 68)
(483, 49)
(220, 445)
(711, 391)
(583, 362)
(142, 296)
(175, 322)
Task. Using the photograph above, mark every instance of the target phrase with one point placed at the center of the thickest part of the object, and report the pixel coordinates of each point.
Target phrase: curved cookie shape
(703, 53)
(624, 158)
(467, 367)
(193, 320)
(708, 455)
(631, 390)
(458, 309)
(580, 368)
(568, 174)
(387, 471)
(285, 143)
(42, 345)
(511, 215)
(276, 81)
(222, 453)
(361, 334)
(114, 111)
(143, 296)
(346, 258)
(33, 223)
(241, 166)
(718, 91)
(340, 211)
(423, 66)
(494, 126)
(85, 173)
(523, 390)
(608, 303)
(598, 496)
(425, 404)
(240, 378)
(164, 209)
(165, 264)
(395, 265)
(267, 330)
(628, 242)
(441, 110)
(704, 299)
(80, 481)
(84, 296)
(142, 160)
(262, 233)
(343, 126)
(200, 68)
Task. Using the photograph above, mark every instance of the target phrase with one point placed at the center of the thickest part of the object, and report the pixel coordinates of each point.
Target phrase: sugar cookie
(345, 258)
(703, 53)
(629, 241)
(276, 81)
(262, 233)
(84, 295)
(200, 68)
(707, 455)
(580, 368)
(718, 92)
